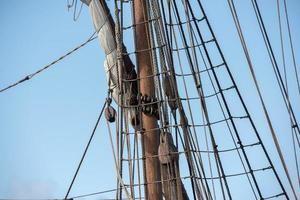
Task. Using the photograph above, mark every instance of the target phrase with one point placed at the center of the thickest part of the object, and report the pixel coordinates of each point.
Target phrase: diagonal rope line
(291, 45)
(30, 76)
(85, 151)
(119, 177)
(246, 52)
(285, 75)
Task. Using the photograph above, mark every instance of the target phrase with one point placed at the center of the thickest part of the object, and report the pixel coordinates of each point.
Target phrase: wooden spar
(150, 136)
(173, 188)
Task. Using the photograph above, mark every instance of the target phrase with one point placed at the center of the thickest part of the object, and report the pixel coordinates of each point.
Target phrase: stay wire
(275, 65)
(291, 45)
(85, 151)
(184, 41)
(117, 169)
(245, 49)
(70, 5)
(192, 170)
(227, 123)
(76, 16)
(276, 71)
(74, 197)
(282, 47)
(30, 76)
(286, 82)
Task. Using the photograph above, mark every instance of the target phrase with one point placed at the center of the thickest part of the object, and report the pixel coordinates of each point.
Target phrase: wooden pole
(150, 137)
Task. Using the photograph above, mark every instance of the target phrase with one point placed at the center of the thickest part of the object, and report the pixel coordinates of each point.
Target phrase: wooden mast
(150, 136)
(173, 189)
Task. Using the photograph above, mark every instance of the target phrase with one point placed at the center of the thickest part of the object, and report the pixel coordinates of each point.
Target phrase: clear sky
(45, 123)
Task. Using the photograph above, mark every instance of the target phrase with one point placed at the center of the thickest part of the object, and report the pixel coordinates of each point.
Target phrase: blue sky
(45, 123)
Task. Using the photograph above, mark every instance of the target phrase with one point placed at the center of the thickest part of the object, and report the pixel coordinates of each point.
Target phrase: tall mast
(151, 134)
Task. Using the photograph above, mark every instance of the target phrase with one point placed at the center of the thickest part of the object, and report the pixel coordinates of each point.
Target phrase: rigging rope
(85, 150)
(275, 66)
(291, 45)
(246, 52)
(70, 5)
(203, 104)
(286, 82)
(119, 177)
(282, 47)
(30, 76)
(194, 73)
(74, 3)
(227, 123)
(284, 93)
(70, 198)
(75, 17)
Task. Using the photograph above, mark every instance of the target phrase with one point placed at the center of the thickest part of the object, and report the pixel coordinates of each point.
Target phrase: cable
(28, 77)
(245, 48)
(276, 70)
(119, 177)
(75, 17)
(75, 197)
(285, 74)
(95, 193)
(275, 65)
(70, 5)
(282, 47)
(291, 45)
(26, 199)
(85, 151)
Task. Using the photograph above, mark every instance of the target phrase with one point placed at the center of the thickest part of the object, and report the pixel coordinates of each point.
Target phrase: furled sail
(104, 25)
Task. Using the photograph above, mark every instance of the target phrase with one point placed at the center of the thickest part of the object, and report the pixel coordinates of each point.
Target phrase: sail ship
(180, 113)
(176, 118)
